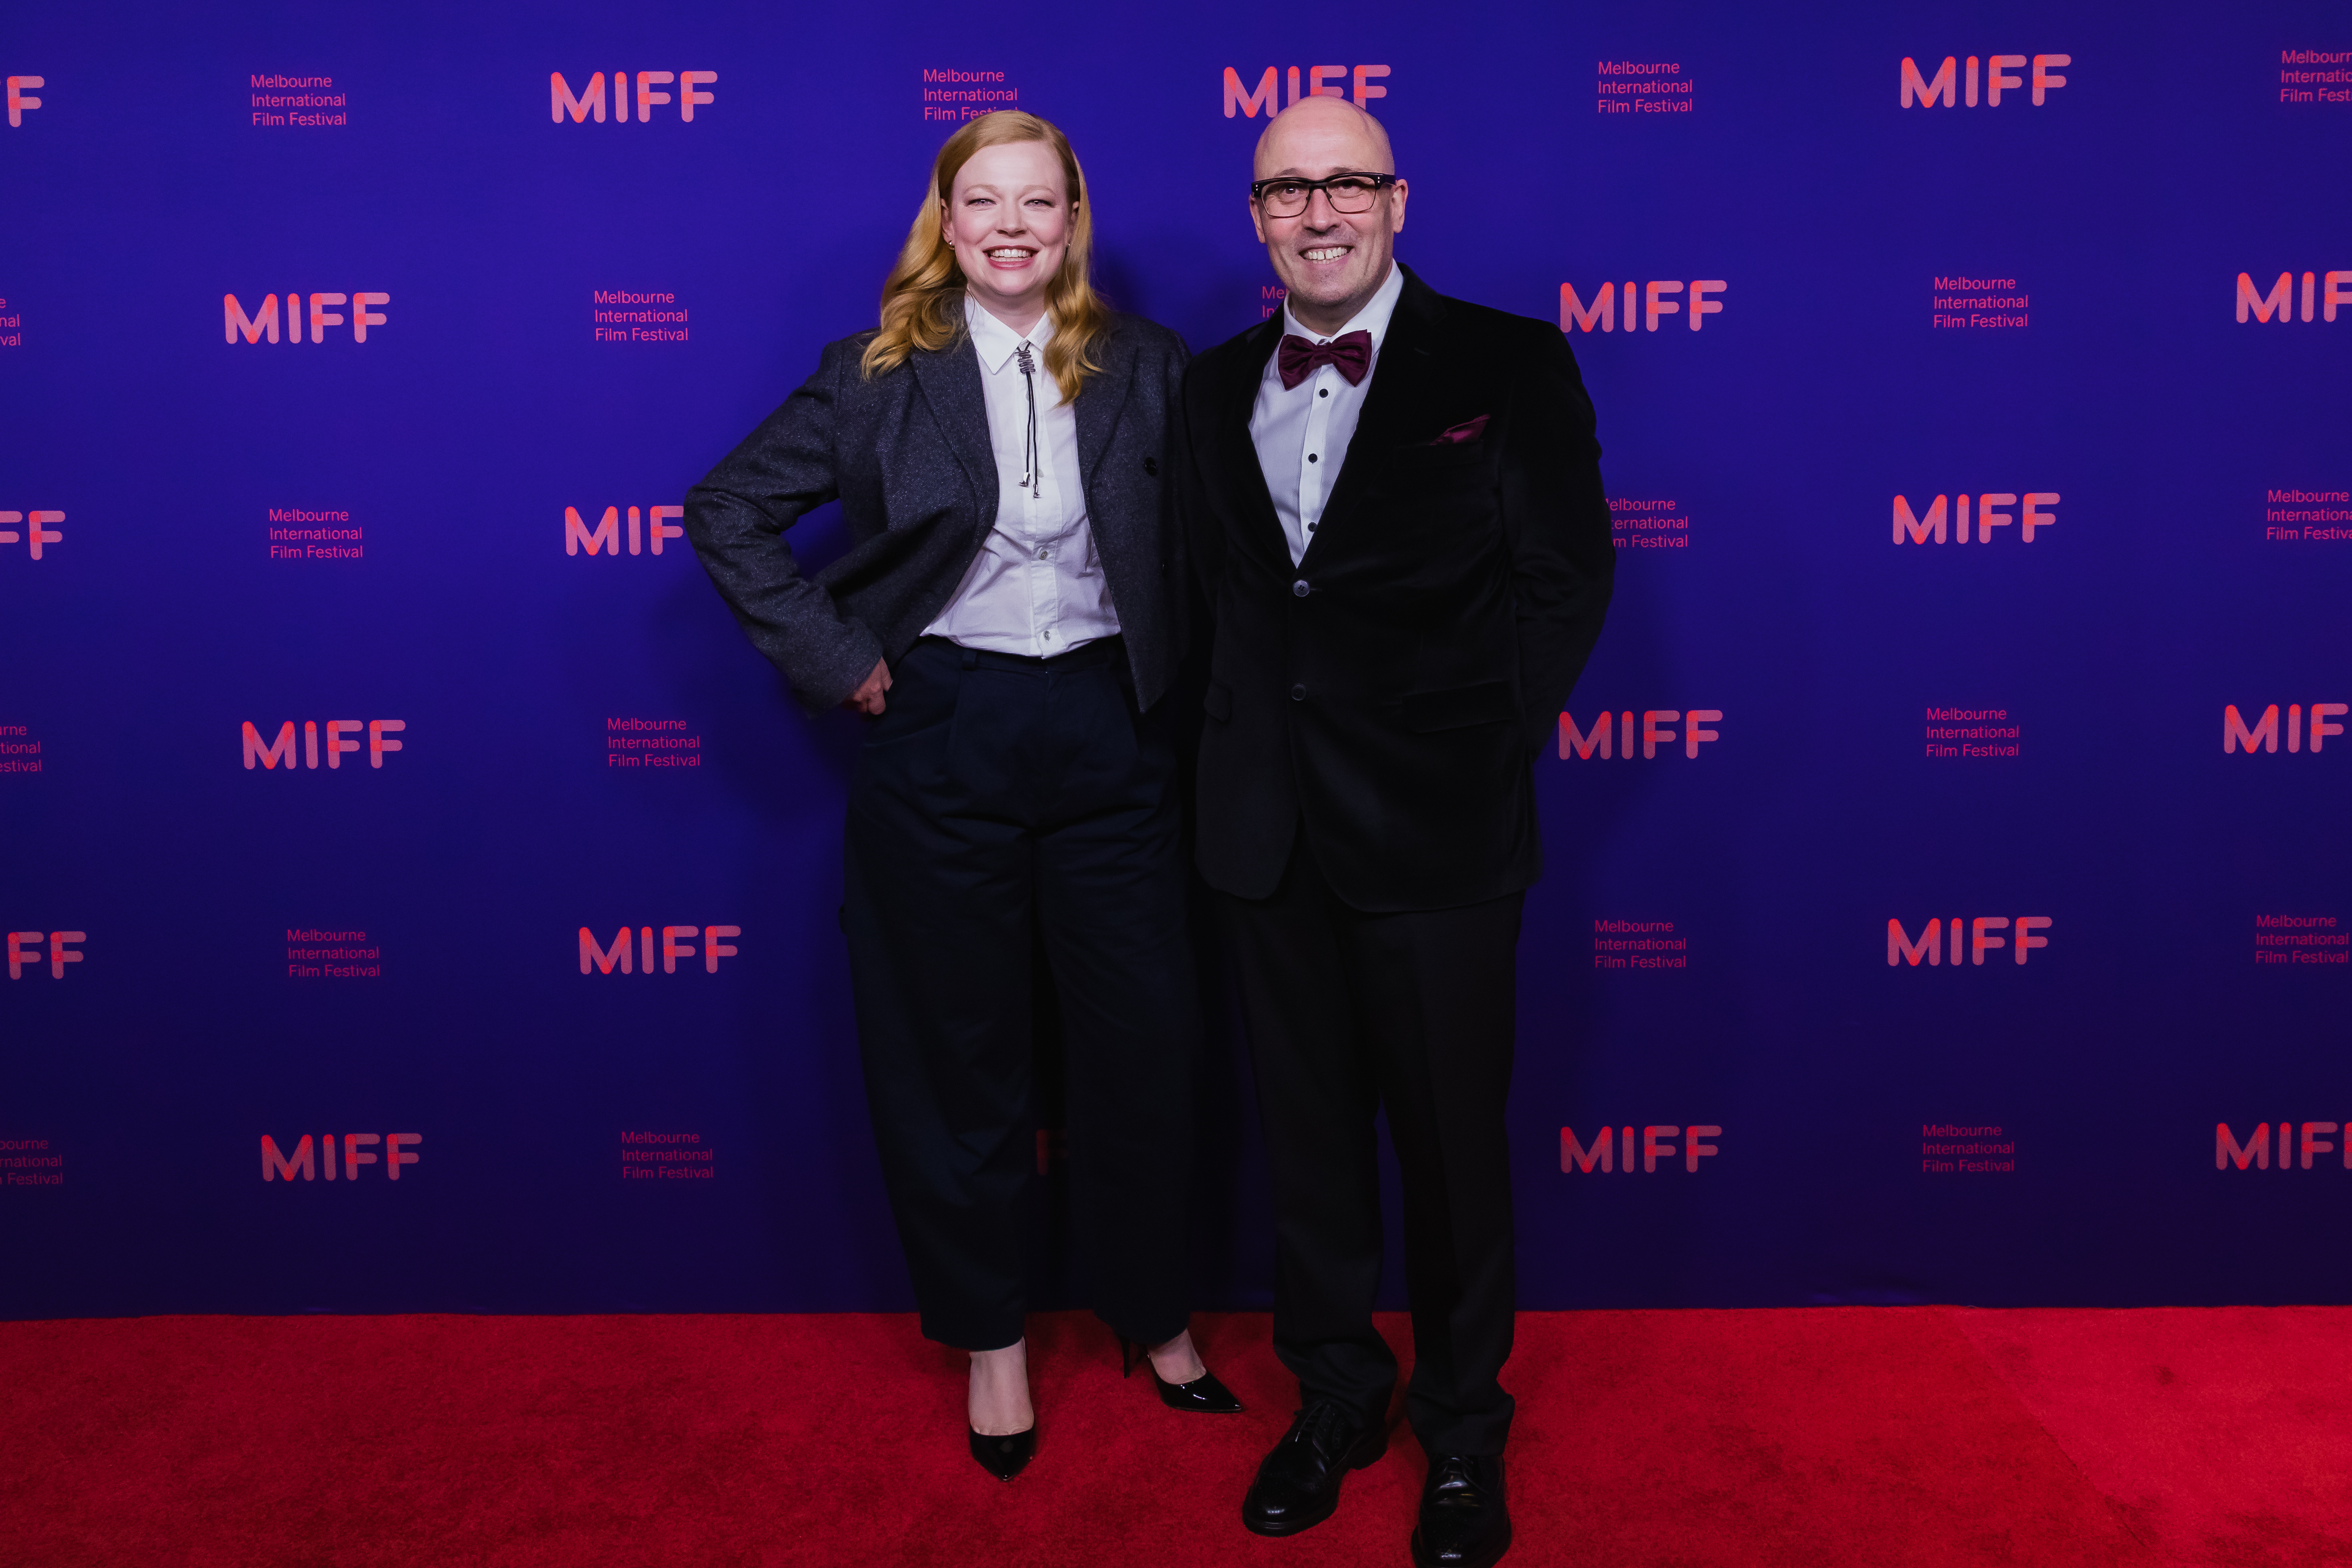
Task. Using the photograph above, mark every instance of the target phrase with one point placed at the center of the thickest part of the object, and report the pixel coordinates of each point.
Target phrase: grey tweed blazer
(907, 456)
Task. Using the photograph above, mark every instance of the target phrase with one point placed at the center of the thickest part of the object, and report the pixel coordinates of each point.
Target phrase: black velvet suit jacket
(1388, 694)
(907, 456)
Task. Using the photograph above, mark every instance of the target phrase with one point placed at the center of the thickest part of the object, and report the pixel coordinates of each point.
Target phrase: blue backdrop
(2061, 302)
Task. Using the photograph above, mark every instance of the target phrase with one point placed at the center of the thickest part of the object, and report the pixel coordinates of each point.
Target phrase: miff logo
(1978, 933)
(236, 323)
(2255, 1150)
(1657, 1143)
(2034, 515)
(1655, 732)
(2327, 289)
(61, 953)
(343, 741)
(36, 530)
(2265, 734)
(1250, 103)
(18, 100)
(607, 536)
(677, 943)
(359, 1149)
(589, 103)
(1927, 93)
(1640, 307)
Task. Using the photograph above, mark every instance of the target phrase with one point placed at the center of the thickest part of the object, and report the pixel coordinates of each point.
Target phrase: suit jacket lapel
(1403, 401)
(1097, 410)
(949, 380)
(1236, 453)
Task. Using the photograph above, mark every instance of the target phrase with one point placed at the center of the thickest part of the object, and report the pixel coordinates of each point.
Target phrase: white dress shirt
(1037, 587)
(1302, 432)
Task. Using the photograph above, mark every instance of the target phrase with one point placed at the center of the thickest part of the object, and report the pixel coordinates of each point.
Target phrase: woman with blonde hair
(1008, 619)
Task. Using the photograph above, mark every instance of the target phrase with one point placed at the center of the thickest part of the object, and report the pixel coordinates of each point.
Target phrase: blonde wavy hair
(922, 300)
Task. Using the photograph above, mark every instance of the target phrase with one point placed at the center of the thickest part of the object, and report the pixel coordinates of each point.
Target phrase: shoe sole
(1292, 1527)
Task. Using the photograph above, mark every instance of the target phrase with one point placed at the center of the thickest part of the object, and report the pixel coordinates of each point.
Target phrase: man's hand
(868, 698)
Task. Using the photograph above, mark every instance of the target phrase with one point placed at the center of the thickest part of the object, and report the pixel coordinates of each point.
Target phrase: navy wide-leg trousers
(1000, 801)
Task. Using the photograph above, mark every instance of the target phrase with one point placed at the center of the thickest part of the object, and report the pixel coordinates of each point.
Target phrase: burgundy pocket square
(1468, 430)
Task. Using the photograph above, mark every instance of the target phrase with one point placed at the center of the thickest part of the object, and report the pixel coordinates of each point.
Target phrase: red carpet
(1863, 1436)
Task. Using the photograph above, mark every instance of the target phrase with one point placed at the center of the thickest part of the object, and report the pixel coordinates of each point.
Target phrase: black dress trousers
(999, 800)
(1348, 1014)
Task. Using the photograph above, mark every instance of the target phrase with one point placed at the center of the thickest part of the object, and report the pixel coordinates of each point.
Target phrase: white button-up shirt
(1037, 587)
(1302, 432)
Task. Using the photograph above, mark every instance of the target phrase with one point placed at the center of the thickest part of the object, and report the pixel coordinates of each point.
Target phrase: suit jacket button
(1151, 466)
(1298, 694)
(1299, 589)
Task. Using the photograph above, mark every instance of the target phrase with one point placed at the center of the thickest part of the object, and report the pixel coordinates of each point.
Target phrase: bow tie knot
(1350, 354)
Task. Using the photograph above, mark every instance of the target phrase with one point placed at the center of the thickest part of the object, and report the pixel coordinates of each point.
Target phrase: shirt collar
(994, 341)
(1373, 318)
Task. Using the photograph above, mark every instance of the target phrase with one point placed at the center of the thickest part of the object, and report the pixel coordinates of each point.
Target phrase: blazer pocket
(1217, 701)
(1459, 708)
(1439, 459)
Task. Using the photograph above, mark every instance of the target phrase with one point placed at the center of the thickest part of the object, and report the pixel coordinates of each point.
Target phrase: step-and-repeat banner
(417, 895)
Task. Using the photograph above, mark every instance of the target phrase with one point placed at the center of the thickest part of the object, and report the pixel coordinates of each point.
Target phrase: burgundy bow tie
(1350, 354)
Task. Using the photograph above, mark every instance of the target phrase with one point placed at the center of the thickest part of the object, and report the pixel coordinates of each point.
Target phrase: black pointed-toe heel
(1005, 1457)
(1203, 1395)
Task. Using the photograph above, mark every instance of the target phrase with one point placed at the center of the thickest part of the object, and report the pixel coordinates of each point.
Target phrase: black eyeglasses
(1285, 197)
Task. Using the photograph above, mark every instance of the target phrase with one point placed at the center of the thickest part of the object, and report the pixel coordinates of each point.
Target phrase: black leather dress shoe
(1464, 1523)
(1005, 1457)
(1298, 1485)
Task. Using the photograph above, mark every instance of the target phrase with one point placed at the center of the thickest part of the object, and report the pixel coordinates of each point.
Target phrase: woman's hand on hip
(868, 698)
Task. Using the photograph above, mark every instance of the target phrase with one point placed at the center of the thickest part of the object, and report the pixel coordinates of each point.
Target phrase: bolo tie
(1031, 479)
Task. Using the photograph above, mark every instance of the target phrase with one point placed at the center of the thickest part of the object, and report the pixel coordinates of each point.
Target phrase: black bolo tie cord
(1033, 481)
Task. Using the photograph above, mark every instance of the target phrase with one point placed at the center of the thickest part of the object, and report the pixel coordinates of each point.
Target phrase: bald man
(1394, 509)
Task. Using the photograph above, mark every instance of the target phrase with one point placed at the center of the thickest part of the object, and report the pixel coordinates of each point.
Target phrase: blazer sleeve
(736, 520)
(1556, 523)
